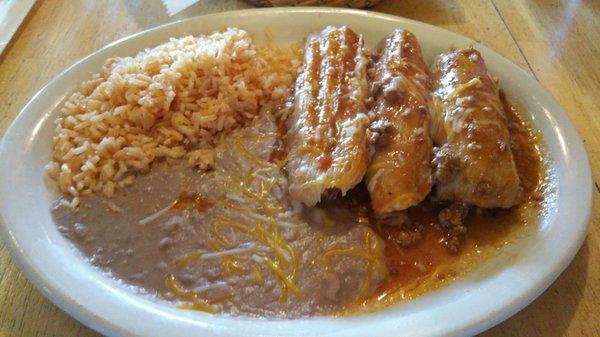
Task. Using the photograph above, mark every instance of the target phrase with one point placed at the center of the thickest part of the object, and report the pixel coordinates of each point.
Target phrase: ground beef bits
(451, 224)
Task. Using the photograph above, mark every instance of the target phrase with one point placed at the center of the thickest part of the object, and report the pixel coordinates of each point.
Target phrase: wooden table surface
(557, 41)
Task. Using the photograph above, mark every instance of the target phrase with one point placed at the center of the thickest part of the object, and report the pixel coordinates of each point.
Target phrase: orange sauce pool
(427, 264)
(192, 201)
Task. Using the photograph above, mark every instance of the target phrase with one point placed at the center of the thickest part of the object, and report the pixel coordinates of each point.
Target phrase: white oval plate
(476, 302)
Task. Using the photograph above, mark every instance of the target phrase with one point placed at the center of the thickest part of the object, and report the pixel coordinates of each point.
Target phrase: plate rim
(86, 316)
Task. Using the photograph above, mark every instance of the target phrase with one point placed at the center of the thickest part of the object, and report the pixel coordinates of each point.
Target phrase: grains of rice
(202, 158)
(166, 102)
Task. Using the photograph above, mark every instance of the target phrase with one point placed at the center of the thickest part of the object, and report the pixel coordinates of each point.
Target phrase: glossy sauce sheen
(427, 264)
(474, 164)
(339, 259)
(399, 175)
(228, 241)
(327, 128)
(194, 201)
(237, 239)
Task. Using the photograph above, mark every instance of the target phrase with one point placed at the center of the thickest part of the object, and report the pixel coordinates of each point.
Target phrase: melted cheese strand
(156, 215)
(252, 188)
(196, 303)
(366, 253)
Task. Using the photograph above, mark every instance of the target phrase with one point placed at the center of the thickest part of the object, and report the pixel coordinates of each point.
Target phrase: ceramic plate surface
(472, 304)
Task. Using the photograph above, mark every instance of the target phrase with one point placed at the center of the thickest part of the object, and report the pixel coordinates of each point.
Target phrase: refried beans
(228, 240)
(231, 191)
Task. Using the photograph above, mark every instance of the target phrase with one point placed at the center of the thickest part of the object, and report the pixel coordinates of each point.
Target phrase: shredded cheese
(366, 252)
(156, 215)
(287, 284)
(258, 277)
(194, 302)
(267, 247)
(474, 82)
